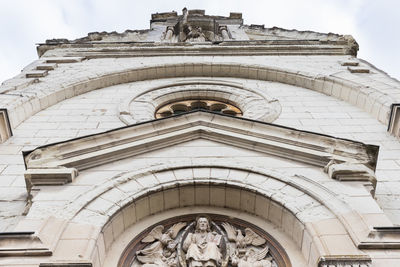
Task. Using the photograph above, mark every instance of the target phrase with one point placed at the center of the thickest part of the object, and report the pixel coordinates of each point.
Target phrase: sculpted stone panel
(204, 240)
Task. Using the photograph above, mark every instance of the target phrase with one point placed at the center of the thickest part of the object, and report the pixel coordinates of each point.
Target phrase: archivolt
(377, 104)
(255, 190)
(290, 203)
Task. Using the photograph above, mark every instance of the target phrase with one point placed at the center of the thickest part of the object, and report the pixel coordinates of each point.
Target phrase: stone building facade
(200, 142)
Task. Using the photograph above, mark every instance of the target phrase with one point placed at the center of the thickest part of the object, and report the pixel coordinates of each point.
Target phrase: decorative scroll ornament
(203, 243)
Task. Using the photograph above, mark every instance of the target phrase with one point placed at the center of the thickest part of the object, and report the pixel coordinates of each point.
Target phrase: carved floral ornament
(204, 241)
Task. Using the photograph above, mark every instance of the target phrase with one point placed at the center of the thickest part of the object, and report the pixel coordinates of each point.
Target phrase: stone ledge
(36, 73)
(344, 260)
(351, 172)
(66, 264)
(59, 60)
(382, 238)
(50, 176)
(349, 63)
(358, 70)
(49, 162)
(47, 66)
(22, 244)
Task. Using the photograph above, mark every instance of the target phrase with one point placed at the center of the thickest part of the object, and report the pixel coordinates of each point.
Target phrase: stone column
(224, 32)
(169, 33)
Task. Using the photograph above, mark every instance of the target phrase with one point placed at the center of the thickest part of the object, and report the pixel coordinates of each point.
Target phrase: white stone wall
(97, 111)
(75, 99)
(373, 92)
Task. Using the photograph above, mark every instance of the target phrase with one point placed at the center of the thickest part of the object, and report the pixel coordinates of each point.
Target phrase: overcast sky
(375, 24)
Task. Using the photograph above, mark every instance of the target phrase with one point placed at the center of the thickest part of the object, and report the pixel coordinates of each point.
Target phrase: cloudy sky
(375, 24)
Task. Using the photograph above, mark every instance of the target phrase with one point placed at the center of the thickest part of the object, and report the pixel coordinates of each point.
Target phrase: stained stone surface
(314, 83)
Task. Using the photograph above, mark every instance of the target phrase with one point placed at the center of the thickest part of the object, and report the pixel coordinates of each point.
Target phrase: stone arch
(369, 99)
(289, 255)
(289, 203)
(253, 104)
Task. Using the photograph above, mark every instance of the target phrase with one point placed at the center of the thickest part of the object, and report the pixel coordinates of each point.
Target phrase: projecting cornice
(223, 48)
(59, 163)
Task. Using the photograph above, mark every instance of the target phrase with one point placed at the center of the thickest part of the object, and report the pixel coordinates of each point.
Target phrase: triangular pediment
(94, 150)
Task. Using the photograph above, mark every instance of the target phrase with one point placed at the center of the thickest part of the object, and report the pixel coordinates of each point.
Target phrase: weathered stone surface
(320, 94)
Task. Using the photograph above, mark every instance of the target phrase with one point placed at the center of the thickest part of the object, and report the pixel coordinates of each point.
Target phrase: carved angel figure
(163, 251)
(252, 258)
(236, 235)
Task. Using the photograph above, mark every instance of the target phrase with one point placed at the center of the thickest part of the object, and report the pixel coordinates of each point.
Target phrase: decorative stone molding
(351, 172)
(224, 48)
(14, 244)
(90, 151)
(358, 69)
(140, 195)
(61, 60)
(36, 73)
(377, 104)
(50, 176)
(345, 260)
(353, 63)
(253, 105)
(38, 243)
(47, 66)
(382, 238)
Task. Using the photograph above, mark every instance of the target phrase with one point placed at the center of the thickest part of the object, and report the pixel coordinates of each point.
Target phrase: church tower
(201, 141)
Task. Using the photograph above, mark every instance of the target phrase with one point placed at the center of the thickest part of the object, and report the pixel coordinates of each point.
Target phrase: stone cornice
(238, 48)
(44, 163)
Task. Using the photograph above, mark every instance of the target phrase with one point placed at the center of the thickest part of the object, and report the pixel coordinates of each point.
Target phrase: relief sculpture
(162, 250)
(202, 246)
(244, 253)
(203, 243)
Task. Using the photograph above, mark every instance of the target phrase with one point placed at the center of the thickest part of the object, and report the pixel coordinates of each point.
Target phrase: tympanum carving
(203, 242)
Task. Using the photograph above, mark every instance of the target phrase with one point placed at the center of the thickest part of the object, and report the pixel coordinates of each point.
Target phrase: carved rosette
(204, 240)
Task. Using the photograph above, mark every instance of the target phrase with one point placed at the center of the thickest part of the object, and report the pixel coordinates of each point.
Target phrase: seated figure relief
(202, 246)
(203, 243)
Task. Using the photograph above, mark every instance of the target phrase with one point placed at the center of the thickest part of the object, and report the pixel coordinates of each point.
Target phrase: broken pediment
(59, 163)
